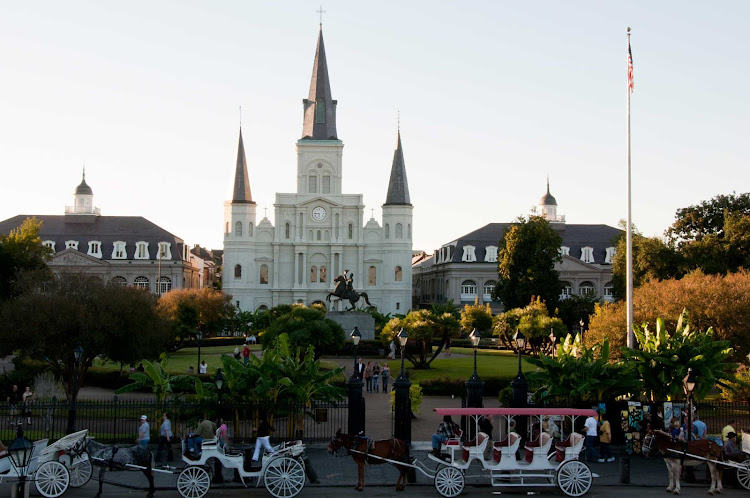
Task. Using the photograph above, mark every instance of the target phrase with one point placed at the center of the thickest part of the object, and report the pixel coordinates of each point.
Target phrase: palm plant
(156, 377)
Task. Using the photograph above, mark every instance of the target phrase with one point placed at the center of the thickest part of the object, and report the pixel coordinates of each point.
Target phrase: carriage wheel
(193, 482)
(743, 475)
(51, 479)
(80, 473)
(284, 477)
(449, 482)
(574, 478)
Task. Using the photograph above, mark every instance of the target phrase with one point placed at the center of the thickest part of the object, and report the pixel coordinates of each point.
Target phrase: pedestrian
(591, 427)
(699, 427)
(384, 374)
(446, 430)
(165, 439)
(191, 370)
(261, 439)
(376, 377)
(144, 432)
(13, 398)
(392, 347)
(132, 367)
(223, 432)
(203, 368)
(605, 439)
(727, 429)
(368, 376)
(237, 354)
(246, 354)
(140, 368)
(360, 369)
(252, 339)
(27, 394)
(448, 346)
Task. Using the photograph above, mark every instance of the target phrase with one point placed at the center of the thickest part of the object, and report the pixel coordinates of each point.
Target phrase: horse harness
(355, 441)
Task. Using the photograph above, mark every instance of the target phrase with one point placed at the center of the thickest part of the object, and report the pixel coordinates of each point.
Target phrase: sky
(493, 97)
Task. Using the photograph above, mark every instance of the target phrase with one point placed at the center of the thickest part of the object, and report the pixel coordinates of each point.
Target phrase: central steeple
(319, 106)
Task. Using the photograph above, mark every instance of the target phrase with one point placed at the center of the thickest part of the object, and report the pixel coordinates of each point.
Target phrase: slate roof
(106, 229)
(600, 237)
(398, 187)
(320, 89)
(241, 192)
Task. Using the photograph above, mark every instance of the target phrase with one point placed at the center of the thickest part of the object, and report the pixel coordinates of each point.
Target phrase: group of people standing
(374, 375)
(16, 398)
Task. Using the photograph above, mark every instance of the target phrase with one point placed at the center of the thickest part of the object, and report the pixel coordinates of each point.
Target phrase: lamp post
(688, 386)
(219, 383)
(199, 336)
(520, 384)
(77, 354)
(354, 386)
(403, 405)
(474, 386)
(582, 339)
(552, 339)
(20, 452)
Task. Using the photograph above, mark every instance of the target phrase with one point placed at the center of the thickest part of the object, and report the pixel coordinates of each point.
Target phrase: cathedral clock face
(319, 213)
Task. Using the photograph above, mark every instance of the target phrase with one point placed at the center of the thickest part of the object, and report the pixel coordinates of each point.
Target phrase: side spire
(241, 192)
(320, 108)
(398, 187)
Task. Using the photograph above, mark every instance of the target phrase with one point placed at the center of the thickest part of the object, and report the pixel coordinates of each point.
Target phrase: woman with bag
(368, 377)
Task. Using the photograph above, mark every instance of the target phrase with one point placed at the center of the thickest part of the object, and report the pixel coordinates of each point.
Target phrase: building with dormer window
(319, 231)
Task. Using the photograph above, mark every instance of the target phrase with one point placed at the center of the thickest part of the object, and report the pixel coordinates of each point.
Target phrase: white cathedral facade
(320, 232)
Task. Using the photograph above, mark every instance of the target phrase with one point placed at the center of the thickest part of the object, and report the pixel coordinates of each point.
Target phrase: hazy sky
(493, 96)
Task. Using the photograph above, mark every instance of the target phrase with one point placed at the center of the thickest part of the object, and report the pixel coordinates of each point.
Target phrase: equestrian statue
(344, 289)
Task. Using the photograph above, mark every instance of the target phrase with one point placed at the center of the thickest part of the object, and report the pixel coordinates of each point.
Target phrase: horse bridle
(338, 441)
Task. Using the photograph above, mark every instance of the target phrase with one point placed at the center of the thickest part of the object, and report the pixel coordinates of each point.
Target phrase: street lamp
(354, 385)
(403, 337)
(520, 384)
(688, 386)
(581, 324)
(401, 386)
(20, 452)
(552, 339)
(77, 354)
(474, 386)
(199, 336)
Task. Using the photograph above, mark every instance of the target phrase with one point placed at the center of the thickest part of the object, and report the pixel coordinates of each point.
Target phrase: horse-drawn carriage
(282, 471)
(55, 467)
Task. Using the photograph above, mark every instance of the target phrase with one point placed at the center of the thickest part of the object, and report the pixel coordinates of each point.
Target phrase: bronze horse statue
(364, 450)
(343, 290)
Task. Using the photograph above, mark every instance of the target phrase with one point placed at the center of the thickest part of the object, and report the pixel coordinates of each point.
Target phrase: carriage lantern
(20, 457)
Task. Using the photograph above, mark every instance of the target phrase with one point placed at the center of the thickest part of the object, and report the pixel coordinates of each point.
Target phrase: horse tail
(364, 295)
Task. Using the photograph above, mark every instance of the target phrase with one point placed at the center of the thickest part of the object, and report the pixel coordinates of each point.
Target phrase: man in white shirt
(203, 368)
(591, 426)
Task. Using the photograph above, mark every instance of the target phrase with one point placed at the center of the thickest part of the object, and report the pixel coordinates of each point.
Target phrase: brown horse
(661, 442)
(363, 450)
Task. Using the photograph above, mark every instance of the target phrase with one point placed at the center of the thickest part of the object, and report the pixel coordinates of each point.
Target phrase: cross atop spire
(321, 12)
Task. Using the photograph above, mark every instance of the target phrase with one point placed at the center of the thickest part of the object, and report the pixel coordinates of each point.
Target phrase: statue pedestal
(350, 319)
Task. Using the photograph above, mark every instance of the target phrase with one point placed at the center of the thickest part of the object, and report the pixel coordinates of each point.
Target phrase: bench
(475, 448)
(570, 448)
(506, 448)
(539, 447)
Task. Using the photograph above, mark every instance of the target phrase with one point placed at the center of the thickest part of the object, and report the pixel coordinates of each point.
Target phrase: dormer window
(71, 244)
(118, 251)
(587, 254)
(95, 249)
(564, 251)
(609, 258)
(141, 250)
(469, 256)
(490, 254)
(320, 111)
(165, 250)
(50, 244)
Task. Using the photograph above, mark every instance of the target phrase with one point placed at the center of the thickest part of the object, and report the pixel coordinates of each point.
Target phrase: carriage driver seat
(475, 448)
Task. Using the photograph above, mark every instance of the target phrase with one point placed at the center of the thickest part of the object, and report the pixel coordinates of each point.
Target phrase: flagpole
(629, 236)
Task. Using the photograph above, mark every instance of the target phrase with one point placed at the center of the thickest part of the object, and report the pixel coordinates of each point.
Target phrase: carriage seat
(475, 448)
(539, 447)
(506, 448)
(454, 441)
(570, 448)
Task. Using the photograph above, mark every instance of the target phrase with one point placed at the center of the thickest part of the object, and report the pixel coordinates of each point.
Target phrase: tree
(191, 309)
(723, 252)
(21, 251)
(708, 217)
(305, 326)
(47, 322)
(653, 259)
(423, 326)
(526, 259)
(156, 377)
(533, 320)
(663, 359)
(476, 317)
(576, 308)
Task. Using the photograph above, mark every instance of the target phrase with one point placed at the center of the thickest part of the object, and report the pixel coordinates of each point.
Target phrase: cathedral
(320, 232)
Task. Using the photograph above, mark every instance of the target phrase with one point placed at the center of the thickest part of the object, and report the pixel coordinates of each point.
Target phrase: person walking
(144, 432)
(446, 430)
(246, 354)
(237, 354)
(360, 369)
(376, 377)
(165, 439)
(591, 427)
(392, 347)
(605, 439)
(262, 439)
(26, 397)
(384, 374)
(368, 376)
(448, 346)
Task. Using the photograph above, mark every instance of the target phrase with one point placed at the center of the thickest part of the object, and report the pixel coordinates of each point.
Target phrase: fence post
(114, 418)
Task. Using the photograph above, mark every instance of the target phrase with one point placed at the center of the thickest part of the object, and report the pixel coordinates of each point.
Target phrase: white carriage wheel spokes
(743, 475)
(284, 477)
(449, 482)
(80, 473)
(193, 482)
(574, 478)
(51, 479)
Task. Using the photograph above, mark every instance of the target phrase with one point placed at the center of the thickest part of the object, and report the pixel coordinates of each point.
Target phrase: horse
(362, 451)
(340, 291)
(113, 457)
(662, 442)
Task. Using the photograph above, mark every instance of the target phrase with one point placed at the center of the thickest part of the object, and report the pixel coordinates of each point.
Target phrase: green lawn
(488, 365)
(179, 361)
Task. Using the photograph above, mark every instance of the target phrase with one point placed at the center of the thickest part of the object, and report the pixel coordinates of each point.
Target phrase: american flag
(630, 69)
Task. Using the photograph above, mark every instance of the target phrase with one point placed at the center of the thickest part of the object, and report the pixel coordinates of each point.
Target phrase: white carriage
(282, 471)
(743, 468)
(545, 464)
(55, 467)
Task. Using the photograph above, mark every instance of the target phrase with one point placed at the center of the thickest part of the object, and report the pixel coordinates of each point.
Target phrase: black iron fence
(117, 421)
